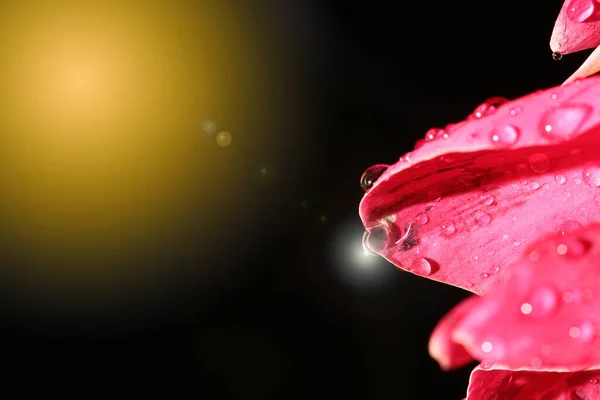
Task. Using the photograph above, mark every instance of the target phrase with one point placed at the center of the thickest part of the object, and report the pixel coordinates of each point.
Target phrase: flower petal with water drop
(469, 200)
(543, 317)
(577, 27)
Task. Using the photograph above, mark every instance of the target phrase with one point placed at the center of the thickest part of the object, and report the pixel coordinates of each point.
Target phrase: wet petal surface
(543, 316)
(472, 196)
(577, 27)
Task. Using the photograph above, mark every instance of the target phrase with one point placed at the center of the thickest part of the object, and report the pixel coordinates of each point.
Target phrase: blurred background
(179, 189)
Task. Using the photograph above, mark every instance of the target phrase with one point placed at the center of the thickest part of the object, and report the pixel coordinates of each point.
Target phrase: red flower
(466, 206)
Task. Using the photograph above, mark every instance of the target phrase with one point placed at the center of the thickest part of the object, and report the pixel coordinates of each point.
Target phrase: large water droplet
(488, 107)
(377, 238)
(370, 176)
(505, 135)
(580, 10)
(421, 266)
(539, 162)
(482, 218)
(448, 228)
(543, 302)
(565, 121)
(591, 175)
(422, 218)
(556, 56)
(560, 179)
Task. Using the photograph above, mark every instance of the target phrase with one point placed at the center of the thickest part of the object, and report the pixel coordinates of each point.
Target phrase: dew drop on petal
(591, 176)
(482, 218)
(422, 218)
(448, 228)
(488, 107)
(505, 135)
(421, 266)
(580, 10)
(534, 185)
(565, 121)
(487, 199)
(560, 179)
(539, 162)
(515, 111)
(377, 238)
(484, 275)
(370, 176)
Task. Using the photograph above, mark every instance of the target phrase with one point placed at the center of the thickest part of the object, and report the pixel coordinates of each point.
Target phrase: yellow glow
(101, 105)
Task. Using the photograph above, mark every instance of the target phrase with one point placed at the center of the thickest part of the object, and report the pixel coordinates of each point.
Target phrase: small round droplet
(515, 110)
(591, 176)
(433, 133)
(422, 267)
(486, 347)
(505, 135)
(370, 176)
(484, 275)
(448, 228)
(580, 10)
(565, 121)
(539, 162)
(377, 238)
(526, 308)
(223, 138)
(560, 179)
(487, 199)
(534, 185)
(422, 218)
(482, 218)
(556, 56)
(573, 246)
(488, 107)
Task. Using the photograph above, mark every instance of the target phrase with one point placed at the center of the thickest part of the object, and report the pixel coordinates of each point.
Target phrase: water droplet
(448, 228)
(487, 199)
(432, 133)
(534, 185)
(505, 135)
(556, 56)
(493, 348)
(560, 179)
(484, 275)
(422, 218)
(569, 226)
(543, 302)
(486, 347)
(526, 308)
(481, 218)
(539, 162)
(516, 243)
(377, 238)
(565, 121)
(591, 176)
(580, 10)
(488, 107)
(370, 176)
(421, 266)
(515, 110)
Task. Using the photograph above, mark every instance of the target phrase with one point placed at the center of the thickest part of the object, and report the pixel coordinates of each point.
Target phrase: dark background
(300, 313)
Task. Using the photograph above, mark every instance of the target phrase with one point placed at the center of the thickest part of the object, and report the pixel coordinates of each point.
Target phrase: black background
(286, 324)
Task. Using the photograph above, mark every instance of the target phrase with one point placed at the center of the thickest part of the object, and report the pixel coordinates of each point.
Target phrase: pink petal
(461, 207)
(543, 315)
(502, 384)
(589, 67)
(577, 27)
